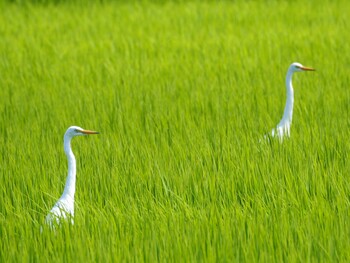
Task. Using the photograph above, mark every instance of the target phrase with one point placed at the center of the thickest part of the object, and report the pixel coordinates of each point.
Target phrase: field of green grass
(182, 93)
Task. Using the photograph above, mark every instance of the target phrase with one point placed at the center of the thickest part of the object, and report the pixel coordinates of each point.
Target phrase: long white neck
(288, 110)
(69, 189)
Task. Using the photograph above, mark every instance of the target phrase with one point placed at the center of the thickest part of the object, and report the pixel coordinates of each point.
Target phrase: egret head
(76, 131)
(296, 67)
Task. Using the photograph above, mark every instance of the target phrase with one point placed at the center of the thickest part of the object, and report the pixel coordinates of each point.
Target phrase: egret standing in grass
(64, 207)
(283, 127)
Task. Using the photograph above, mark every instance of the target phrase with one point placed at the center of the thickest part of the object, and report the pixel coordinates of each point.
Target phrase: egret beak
(307, 69)
(89, 132)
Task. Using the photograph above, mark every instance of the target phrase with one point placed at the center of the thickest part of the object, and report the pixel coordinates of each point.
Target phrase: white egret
(283, 127)
(64, 207)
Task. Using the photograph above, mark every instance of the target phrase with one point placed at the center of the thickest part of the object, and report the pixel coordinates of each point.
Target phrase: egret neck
(69, 189)
(288, 110)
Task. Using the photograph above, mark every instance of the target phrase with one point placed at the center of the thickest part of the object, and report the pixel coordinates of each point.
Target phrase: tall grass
(182, 93)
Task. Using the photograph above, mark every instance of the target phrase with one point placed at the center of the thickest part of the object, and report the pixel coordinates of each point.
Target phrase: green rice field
(182, 93)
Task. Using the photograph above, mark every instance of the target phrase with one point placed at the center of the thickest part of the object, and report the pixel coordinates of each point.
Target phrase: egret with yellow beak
(64, 207)
(283, 127)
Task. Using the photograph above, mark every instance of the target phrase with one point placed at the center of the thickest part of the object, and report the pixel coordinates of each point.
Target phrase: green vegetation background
(182, 93)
